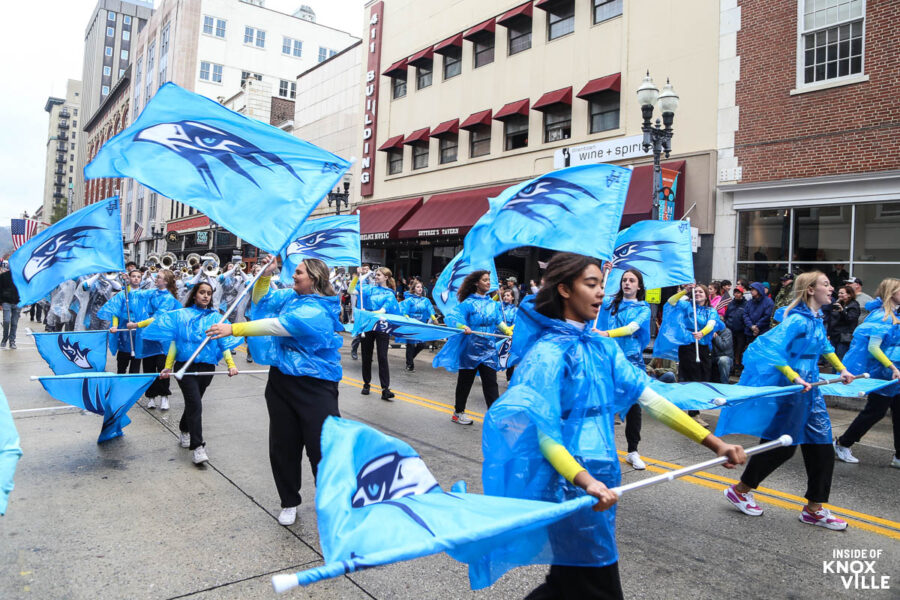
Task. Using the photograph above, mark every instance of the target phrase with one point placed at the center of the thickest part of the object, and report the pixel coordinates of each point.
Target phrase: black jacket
(723, 344)
(734, 315)
(8, 292)
(843, 321)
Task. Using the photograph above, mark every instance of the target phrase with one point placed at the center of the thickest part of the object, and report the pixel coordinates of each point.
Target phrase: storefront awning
(451, 42)
(381, 221)
(610, 82)
(418, 136)
(637, 204)
(450, 214)
(398, 69)
(423, 56)
(545, 4)
(392, 143)
(480, 30)
(520, 11)
(563, 96)
(451, 127)
(519, 107)
(478, 119)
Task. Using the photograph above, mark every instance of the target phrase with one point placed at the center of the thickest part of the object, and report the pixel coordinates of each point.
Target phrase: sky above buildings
(39, 61)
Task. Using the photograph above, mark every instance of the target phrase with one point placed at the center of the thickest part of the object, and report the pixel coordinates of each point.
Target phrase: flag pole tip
(865, 375)
(861, 394)
(718, 401)
(786, 440)
(34, 377)
(283, 583)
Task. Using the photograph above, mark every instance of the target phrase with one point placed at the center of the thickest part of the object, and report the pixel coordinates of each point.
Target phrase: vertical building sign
(370, 102)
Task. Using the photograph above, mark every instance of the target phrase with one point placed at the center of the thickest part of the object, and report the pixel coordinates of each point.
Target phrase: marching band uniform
(117, 311)
(376, 298)
(146, 306)
(420, 309)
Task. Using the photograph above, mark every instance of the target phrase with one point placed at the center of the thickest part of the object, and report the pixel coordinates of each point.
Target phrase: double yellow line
(859, 520)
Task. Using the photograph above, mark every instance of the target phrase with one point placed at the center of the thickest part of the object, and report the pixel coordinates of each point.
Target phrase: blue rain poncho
(187, 328)
(568, 386)
(677, 327)
(859, 360)
(629, 312)
(144, 305)
(124, 311)
(797, 342)
(376, 297)
(509, 312)
(415, 307)
(314, 324)
(479, 313)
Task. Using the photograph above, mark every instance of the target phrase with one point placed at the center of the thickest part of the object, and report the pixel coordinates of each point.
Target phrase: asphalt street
(134, 518)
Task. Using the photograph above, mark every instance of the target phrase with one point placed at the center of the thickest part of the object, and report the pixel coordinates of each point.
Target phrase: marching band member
(379, 297)
(117, 310)
(415, 305)
(509, 309)
(300, 329)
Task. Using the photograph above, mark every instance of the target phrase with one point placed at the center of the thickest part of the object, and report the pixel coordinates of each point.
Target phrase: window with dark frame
(480, 141)
(483, 47)
(557, 123)
(560, 19)
(448, 145)
(395, 161)
(452, 62)
(420, 155)
(423, 75)
(603, 109)
(606, 9)
(515, 132)
(519, 30)
(398, 86)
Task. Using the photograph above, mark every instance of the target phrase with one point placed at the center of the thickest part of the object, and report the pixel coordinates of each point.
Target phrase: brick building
(808, 178)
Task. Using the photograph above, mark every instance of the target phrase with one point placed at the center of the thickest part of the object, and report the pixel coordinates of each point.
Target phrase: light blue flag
(87, 241)
(9, 452)
(447, 285)
(256, 180)
(106, 394)
(73, 351)
(401, 327)
(377, 503)
(334, 240)
(577, 209)
(660, 250)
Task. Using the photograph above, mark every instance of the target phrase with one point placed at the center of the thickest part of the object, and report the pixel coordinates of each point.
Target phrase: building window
(323, 54)
(298, 48)
(123, 55)
(606, 9)
(515, 132)
(286, 45)
(163, 54)
(110, 32)
(560, 19)
(604, 111)
(292, 47)
(151, 208)
(104, 90)
(420, 156)
(831, 36)
(484, 50)
(121, 72)
(452, 62)
(395, 161)
(519, 35)
(217, 73)
(220, 28)
(398, 87)
(107, 71)
(75, 110)
(255, 36)
(480, 141)
(108, 51)
(245, 75)
(126, 19)
(148, 84)
(204, 70)
(208, 25)
(557, 123)
(110, 16)
(423, 75)
(448, 146)
(126, 35)
(287, 89)
(75, 123)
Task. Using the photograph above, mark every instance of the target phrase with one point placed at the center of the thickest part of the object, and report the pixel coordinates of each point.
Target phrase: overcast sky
(36, 67)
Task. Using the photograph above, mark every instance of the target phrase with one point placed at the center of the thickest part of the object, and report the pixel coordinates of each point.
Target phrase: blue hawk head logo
(548, 191)
(316, 244)
(457, 274)
(57, 248)
(74, 353)
(93, 402)
(199, 142)
(383, 326)
(391, 476)
(629, 254)
(503, 352)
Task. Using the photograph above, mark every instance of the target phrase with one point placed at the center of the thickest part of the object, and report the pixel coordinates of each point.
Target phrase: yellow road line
(433, 405)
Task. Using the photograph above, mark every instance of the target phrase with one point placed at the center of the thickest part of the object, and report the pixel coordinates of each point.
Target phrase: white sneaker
(151, 403)
(743, 502)
(288, 516)
(822, 518)
(634, 459)
(200, 455)
(843, 453)
(163, 403)
(895, 462)
(185, 439)
(461, 419)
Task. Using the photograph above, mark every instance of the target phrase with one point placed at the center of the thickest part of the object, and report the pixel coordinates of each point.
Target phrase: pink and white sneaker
(822, 518)
(743, 502)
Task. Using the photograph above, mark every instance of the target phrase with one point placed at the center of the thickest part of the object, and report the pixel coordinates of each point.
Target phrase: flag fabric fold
(87, 241)
(447, 285)
(69, 352)
(334, 240)
(254, 179)
(400, 326)
(10, 452)
(660, 250)
(109, 395)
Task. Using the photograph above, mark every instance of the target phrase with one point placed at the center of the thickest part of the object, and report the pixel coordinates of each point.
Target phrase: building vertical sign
(370, 102)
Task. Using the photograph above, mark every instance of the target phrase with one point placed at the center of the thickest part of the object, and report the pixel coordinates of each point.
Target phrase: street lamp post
(656, 137)
(337, 197)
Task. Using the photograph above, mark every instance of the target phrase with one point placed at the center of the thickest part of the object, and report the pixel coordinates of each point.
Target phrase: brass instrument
(152, 262)
(210, 264)
(168, 260)
(193, 259)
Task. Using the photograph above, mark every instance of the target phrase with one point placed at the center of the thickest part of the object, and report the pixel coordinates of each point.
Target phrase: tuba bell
(167, 261)
(210, 264)
(152, 261)
(193, 259)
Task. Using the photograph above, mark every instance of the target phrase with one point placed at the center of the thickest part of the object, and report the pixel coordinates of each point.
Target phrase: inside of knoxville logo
(857, 568)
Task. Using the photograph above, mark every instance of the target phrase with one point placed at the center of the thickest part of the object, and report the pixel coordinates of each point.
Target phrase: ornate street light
(657, 137)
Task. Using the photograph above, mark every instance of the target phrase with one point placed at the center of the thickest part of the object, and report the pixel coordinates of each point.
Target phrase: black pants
(875, 410)
(354, 343)
(412, 349)
(688, 367)
(817, 458)
(739, 344)
(633, 427)
(155, 364)
(192, 388)
(125, 362)
(35, 312)
(298, 407)
(580, 583)
(368, 343)
(464, 385)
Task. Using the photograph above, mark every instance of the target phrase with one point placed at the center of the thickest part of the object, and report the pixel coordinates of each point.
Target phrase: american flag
(22, 230)
(138, 232)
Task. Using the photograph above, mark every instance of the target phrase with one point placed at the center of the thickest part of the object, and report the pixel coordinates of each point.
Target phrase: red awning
(392, 143)
(417, 136)
(563, 96)
(519, 107)
(483, 28)
(426, 55)
(478, 119)
(637, 203)
(451, 126)
(450, 42)
(398, 68)
(519, 11)
(451, 214)
(601, 84)
(381, 221)
(545, 4)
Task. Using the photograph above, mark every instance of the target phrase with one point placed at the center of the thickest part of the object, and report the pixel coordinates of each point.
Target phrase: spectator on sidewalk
(843, 319)
(758, 312)
(862, 298)
(734, 321)
(722, 353)
(9, 297)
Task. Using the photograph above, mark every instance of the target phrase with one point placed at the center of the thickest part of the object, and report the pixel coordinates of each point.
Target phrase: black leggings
(875, 410)
(633, 427)
(817, 458)
(125, 362)
(298, 407)
(368, 343)
(155, 364)
(580, 583)
(192, 388)
(688, 367)
(412, 349)
(464, 385)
